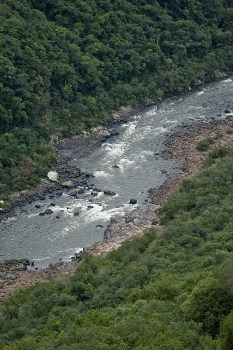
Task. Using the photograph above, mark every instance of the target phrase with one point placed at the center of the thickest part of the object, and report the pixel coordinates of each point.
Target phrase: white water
(46, 239)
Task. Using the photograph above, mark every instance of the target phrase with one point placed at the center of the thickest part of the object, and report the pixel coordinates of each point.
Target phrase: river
(135, 151)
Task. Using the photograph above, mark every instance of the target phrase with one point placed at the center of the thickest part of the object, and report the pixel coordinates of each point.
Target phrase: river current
(135, 151)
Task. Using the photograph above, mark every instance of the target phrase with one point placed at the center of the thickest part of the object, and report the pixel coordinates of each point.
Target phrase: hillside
(65, 65)
(172, 291)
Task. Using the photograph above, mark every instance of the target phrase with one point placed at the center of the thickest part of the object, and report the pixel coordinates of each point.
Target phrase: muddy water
(127, 164)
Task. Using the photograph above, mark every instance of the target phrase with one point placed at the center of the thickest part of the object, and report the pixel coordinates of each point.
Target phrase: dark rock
(151, 190)
(76, 212)
(48, 211)
(26, 263)
(109, 193)
(37, 206)
(41, 214)
(52, 204)
(80, 256)
(42, 198)
(133, 201)
(59, 193)
(90, 207)
(81, 191)
(97, 189)
(73, 193)
(227, 111)
(99, 226)
(89, 175)
(229, 118)
(114, 133)
(57, 217)
(94, 194)
(115, 166)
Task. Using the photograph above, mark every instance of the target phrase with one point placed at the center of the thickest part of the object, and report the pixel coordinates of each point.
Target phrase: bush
(204, 144)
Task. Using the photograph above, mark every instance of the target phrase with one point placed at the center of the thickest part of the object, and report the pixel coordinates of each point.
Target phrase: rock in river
(46, 212)
(133, 201)
(109, 192)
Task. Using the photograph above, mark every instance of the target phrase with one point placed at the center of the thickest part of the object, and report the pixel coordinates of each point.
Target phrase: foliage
(172, 291)
(64, 65)
(204, 144)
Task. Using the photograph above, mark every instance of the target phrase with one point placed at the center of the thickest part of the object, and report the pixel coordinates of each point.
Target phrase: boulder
(133, 201)
(53, 176)
(115, 166)
(109, 193)
(227, 111)
(48, 211)
(76, 212)
(114, 133)
(68, 184)
(80, 255)
(229, 118)
(81, 191)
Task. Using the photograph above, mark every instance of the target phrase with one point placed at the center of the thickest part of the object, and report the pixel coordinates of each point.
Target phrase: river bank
(179, 145)
(78, 146)
(70, 176)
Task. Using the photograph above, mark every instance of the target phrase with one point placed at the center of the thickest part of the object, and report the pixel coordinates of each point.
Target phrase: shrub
(204, 144)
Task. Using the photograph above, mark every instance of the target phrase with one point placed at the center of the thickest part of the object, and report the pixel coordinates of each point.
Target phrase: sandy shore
(180, 145)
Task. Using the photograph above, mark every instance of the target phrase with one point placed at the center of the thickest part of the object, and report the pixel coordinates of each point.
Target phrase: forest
(66, 65)
(167, 291)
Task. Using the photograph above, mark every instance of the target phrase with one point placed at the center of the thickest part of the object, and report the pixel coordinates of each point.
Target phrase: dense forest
(65, 65)
(172, 291)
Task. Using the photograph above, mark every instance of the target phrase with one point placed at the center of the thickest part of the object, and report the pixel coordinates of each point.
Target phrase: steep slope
(66, 64)
(172, 291)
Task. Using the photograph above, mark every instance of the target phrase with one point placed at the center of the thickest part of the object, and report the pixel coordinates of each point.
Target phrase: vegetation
(172, 291)
(65, 64)
(204, 144)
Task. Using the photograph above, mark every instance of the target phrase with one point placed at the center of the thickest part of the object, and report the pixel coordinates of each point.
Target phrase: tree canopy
(65, 65)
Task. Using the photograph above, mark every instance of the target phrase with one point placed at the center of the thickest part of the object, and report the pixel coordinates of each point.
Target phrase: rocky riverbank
(180, 145)
(70, 176)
